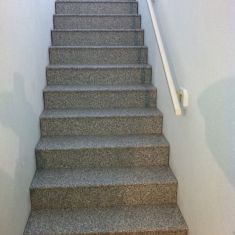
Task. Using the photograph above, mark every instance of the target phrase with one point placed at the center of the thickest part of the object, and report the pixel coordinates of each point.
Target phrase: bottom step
(157, 220)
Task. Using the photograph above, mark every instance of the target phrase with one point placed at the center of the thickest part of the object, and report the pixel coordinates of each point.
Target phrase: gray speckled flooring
(100, 177)
(102, 151)
(63, 21)
(76, 142)
(102, 161)
(160, 220)
(100, 88)
(98, 66)
(96, 7)
(131, 112)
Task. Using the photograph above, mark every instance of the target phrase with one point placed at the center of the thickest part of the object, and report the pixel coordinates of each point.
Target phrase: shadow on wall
(17, 118)
(217, 105)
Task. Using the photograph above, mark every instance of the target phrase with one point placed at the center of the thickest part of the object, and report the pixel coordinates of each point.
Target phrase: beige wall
(200, 42)
(24, 39)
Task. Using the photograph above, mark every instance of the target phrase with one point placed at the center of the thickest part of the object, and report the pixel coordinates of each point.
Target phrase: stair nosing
(98, 66)
(99, 113)
(99, 88)
(97, 30)
(98, 47)
(96, 15)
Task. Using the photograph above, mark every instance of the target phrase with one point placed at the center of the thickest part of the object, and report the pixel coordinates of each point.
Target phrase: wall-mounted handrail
(175, 95)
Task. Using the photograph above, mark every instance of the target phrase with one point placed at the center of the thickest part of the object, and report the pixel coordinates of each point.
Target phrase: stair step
(152, 220)
(97, 21)
(101, 122)
(99, 74)
(91, 7)
(96, 1)
(97, 37)
(102, 187)
(73, 97)
(98, 55)
(102, 151)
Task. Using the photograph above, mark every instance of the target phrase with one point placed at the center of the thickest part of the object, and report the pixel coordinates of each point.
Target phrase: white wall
(200, 40)
(24, 39)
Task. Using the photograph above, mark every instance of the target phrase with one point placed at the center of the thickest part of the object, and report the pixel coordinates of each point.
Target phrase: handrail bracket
(183, 97)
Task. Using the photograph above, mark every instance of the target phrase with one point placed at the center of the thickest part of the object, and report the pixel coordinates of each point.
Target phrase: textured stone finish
(97, 37)
(102, 151)
(99, 75)
(73, 97)
(102, 161)
(94, 1)
(71, 7)
(96, 22)
(98, 55)
(101, 122)
(151, 220)
(102, 187)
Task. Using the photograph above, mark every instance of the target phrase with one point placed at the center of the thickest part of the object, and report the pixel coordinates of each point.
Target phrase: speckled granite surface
(99, 74)
(98, 37)
(155, 220)
(96, 0)
(101, 122)
(58, 178)
(102, 161)
(102, 151)
(97, 22)
(102, 187)
(96, 7)
(99, 96)
(98, 55)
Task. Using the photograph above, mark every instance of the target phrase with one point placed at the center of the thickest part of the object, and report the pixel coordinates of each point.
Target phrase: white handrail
(169, 78)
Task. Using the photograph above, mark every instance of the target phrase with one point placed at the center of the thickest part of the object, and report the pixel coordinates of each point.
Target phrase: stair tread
(142, 87)
(71, 113)
(76, 142)
(88, 7)
(100, 1)
(98, 47)
(98, 66)
(85, 177)
(97, 0)
(99, 15)
(98, 30)
(97, 21)
(137, 219)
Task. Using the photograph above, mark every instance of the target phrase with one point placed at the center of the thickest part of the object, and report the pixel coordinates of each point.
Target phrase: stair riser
(96, 8)
(101, 126)
(100, 99)
(98, 56)
(103, 157)
(72, 38)
(97, 22)
(114, 76)
(103, 196)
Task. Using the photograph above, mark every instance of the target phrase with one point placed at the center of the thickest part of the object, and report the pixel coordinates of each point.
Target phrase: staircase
(102, 161)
